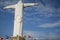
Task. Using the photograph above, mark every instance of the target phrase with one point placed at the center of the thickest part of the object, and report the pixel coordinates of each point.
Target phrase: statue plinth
(17, 38)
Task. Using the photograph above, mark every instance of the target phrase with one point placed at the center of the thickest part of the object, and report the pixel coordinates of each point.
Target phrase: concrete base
(17, 38)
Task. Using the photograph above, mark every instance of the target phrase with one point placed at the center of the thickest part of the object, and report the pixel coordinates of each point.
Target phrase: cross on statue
(18, 18)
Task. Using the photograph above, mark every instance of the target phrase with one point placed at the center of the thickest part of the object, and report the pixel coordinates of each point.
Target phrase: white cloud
(41, 35)
(5, 3)
(57, 30)
(32, 33)
(40, 7)
(35, 34)
(47, 25)
(47, 11)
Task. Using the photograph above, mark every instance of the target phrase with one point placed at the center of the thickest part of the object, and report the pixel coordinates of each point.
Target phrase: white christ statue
(18, 18)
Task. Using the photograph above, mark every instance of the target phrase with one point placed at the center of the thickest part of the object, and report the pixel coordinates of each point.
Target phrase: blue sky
(40, 21)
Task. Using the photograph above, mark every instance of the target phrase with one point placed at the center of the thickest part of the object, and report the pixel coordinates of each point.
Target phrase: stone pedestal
(17, 38)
